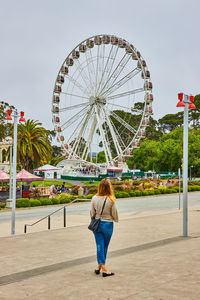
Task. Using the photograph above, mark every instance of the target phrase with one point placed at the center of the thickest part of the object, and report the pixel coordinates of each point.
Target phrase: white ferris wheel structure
(102, 100)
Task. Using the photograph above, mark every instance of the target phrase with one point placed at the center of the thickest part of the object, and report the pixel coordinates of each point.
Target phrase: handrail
(49, 216)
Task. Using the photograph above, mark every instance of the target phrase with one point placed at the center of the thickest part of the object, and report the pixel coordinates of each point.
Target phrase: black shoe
(107, 274)
(97, 272)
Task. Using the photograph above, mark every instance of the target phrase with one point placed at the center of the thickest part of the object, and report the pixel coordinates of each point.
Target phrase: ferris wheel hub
(97, 101)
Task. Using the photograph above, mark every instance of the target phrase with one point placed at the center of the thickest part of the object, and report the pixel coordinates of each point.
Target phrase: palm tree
(33, 146)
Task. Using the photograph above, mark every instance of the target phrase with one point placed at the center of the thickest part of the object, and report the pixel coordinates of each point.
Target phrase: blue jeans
(102, 237)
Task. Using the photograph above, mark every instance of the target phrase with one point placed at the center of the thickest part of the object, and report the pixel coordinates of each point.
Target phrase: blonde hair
(105, 189)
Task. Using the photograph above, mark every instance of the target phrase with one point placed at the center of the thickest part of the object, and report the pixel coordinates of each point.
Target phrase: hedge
(34, 202)
(55, 201)
(22, 202)
(46, 202)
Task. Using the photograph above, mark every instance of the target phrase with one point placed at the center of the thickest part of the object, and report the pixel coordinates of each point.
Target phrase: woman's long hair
(105, 189)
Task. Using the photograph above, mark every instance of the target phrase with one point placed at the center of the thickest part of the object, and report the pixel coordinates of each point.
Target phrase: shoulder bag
(94, 224)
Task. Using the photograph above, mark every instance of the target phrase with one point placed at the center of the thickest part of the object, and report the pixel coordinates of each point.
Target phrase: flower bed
(124, 192)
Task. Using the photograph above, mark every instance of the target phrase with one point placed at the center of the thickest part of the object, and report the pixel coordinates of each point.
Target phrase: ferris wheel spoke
(117, 133)
(105, 69)
(101, 66)
(73, 118)
(112, 132)
(73, 107)
(83, 75)
(102, 69)
(122, 81)
(126, 93)
(90, 67)
(120, 120)
(82, 130)
(97, 70)
(75, 130)
(137, 110)
(74, 95)
(119, 68)
(78, 85)
(121, 106)
(89, 140)
(104, 141)
(109, 67)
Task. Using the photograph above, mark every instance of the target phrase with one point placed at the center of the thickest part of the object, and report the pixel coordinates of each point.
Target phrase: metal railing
(49, 216)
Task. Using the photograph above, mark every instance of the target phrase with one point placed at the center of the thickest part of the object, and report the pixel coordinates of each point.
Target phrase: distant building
(4, 162)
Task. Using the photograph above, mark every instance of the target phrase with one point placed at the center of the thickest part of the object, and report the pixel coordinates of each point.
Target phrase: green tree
(33, 147)
(194, 114)
(5, 129)
(101, 158)
(171, 121)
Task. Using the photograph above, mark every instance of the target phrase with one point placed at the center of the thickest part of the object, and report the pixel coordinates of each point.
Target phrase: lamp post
(15, 115)
(191, 172)
(186, 102)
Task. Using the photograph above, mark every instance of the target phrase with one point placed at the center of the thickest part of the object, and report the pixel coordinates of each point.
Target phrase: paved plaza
(150, 258)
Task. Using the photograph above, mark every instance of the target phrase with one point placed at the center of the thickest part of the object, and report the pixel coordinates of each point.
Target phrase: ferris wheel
(102, 99)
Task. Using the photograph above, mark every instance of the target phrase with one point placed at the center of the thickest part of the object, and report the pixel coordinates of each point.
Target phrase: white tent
(46, 168)
(49, 171)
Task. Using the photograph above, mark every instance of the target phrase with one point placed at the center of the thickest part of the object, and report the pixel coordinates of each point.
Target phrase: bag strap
(103, 206)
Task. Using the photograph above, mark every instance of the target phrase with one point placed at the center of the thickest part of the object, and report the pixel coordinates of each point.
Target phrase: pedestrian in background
(105, 229)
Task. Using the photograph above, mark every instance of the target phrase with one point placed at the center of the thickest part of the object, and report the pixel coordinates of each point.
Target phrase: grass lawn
(50, 182)
(89, 184)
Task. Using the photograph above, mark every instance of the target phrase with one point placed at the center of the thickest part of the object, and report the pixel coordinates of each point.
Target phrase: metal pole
(185, 170)
(49, 222)
(179, 201)
(10, 190)
(64, 216)
(14, 172)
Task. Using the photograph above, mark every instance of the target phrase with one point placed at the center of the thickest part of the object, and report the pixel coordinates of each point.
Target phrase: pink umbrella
(25, 176)
(4, 177)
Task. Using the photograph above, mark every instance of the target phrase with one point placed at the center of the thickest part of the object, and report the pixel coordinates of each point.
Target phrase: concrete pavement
(147, 252)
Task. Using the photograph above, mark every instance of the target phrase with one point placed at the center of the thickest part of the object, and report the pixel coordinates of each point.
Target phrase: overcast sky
(36, 36)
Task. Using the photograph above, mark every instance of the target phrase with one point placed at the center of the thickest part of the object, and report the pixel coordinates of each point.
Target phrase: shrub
(2, 205)
(119, 188)
(93, 190)
(89, 196)
(117, 195)
(124, 195)
(65, 200)
(136, 182)
(145, 193)
(174, 190)
(150, 192)
(197, 188)
(147, 185)
(117, 182)
(138, 193)
(157, 192)
(132, 194)
(34, 202)
(121, 195)
(162, 189)
(55, 201)
(22, 202)
(46, 201)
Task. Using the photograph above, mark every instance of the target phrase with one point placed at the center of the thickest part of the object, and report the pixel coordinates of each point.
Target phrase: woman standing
(105, 230)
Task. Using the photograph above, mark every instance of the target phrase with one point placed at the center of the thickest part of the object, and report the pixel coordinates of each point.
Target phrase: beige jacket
(110, 213)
